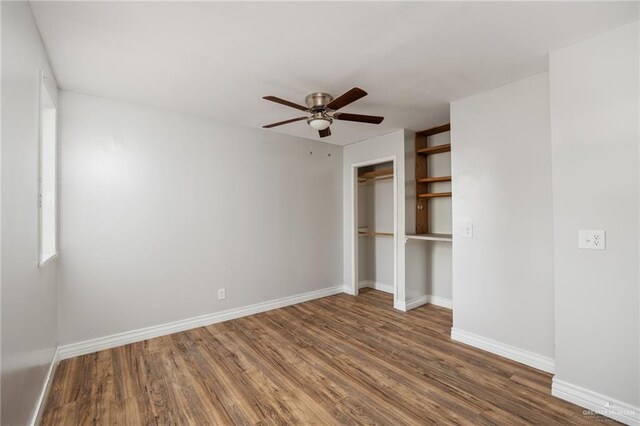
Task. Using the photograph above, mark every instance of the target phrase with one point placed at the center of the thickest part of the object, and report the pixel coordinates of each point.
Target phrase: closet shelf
(435, 130)
(431, 237)
(434, 149)
(434, 195)
(376, 174)
(435, 179)
(375, 234)
(423, 163)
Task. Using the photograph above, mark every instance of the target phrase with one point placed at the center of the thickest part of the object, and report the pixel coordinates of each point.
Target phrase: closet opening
(375, 223)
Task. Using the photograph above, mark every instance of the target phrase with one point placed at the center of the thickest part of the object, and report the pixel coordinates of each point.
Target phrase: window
(48, 176)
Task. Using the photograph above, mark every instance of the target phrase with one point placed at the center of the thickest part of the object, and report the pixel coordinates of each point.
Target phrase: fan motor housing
(318, 100)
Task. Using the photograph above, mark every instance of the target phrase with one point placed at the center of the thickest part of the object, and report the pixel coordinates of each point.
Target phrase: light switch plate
(591, 239)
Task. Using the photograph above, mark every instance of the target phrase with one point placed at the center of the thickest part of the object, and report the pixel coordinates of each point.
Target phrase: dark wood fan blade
(347, 98)
(324, 133)
(284, 102)
(268, 126)
(372, 119)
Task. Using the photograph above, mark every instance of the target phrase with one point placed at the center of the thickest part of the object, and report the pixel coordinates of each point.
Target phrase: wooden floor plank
(338, 360)
(458, 379)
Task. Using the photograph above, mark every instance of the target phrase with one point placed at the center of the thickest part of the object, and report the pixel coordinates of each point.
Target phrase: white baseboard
(418, 301)
(411, 304)
(399, 305)
(36, 417)
(387, 288)
(440, 301)
(596, 403)
(349, 290)
(522, 356)
(433, 300)
(120, 339)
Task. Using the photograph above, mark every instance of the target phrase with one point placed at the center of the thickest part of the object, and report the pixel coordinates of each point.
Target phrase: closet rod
(375, 234)
(374, 178)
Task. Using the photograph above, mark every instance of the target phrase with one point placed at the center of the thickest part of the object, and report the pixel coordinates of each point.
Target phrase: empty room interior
(320, 213)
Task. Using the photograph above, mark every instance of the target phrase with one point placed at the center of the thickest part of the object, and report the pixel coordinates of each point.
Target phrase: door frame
(354, 222)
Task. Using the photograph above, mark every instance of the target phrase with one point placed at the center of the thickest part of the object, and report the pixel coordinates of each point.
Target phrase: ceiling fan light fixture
(319, 121)
(324, 109)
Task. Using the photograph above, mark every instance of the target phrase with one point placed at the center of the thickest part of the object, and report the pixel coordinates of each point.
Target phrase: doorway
(375, 263)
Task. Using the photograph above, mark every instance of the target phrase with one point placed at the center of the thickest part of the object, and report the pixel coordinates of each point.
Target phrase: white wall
(159, 210)
(29, 332)
(381, 147)
(595, 146)
(501, 163)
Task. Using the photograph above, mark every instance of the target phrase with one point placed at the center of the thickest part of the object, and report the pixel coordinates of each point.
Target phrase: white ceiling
(219, 59)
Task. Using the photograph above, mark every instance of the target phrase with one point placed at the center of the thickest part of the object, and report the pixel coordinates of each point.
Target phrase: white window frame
(46, 101)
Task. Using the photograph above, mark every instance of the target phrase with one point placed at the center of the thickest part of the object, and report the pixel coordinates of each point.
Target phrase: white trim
(387, 288)
(348, 290)
(429, 237)
(440, 301)
(396, 231)
(45, 258)
(418, 301)
(522, 356)
(354, 238)
(120, 339)
(600, 404)
(46, 387)
(49, 258)
(400, 305)
(433, 300)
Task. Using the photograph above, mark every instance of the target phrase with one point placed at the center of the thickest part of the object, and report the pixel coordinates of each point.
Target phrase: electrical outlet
(467, 230)
(221, 293)
(591, 239)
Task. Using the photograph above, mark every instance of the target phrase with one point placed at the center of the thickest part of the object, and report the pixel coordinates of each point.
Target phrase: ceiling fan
(324, 109)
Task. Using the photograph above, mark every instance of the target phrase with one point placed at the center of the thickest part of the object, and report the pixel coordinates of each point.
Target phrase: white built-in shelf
(431, 237)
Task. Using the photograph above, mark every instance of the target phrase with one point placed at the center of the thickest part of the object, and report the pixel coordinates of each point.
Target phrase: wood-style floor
(337, 360)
